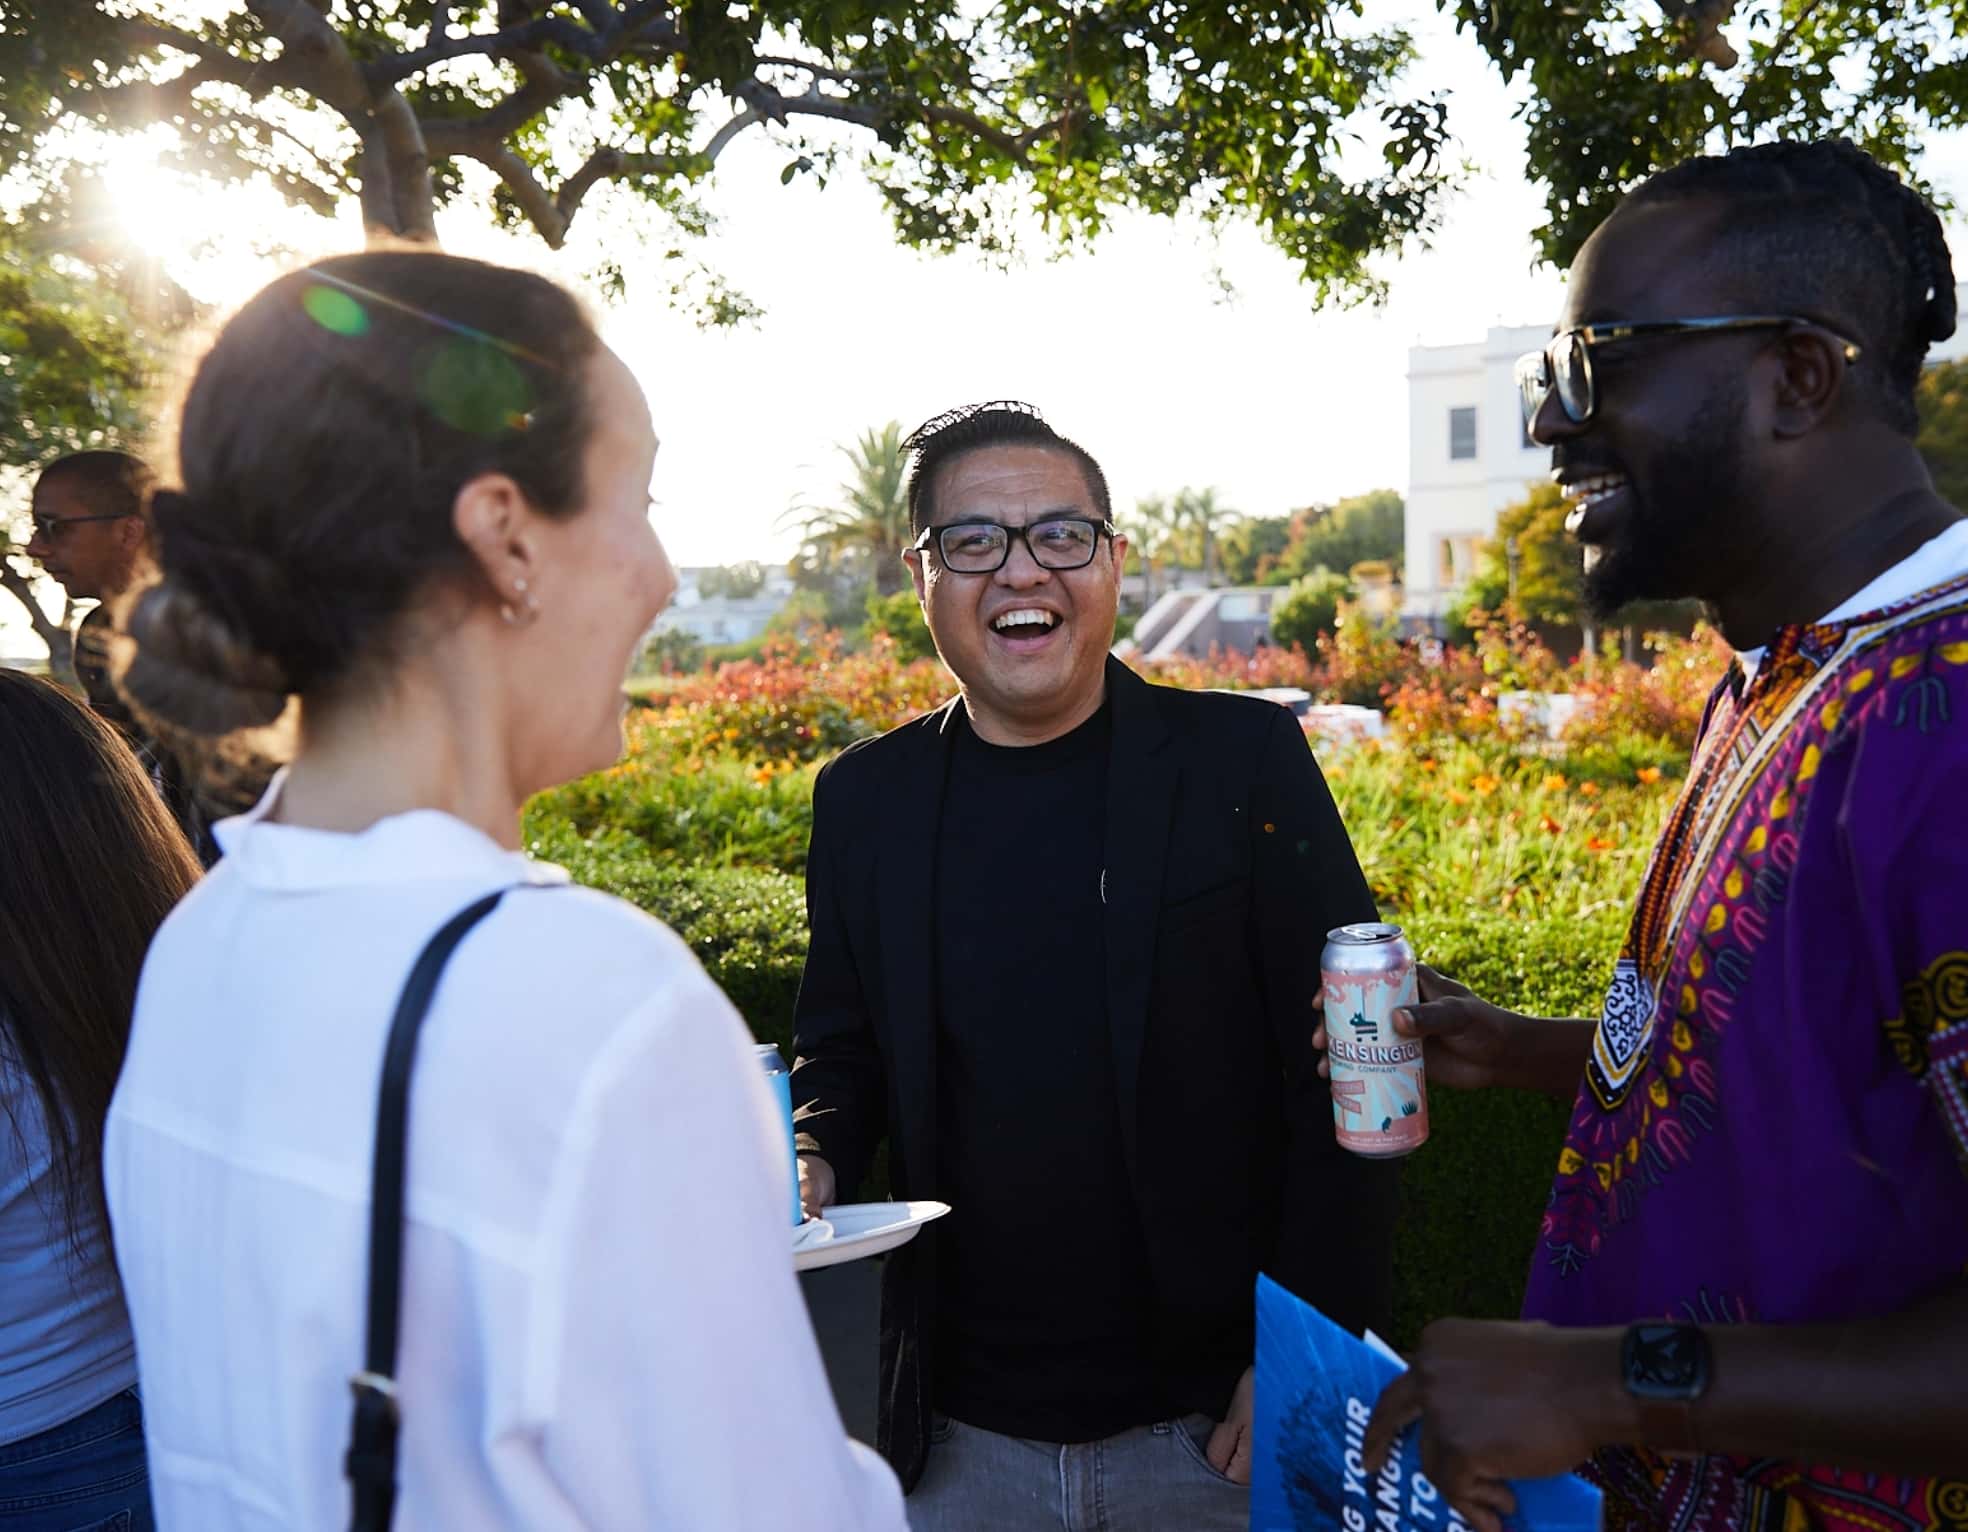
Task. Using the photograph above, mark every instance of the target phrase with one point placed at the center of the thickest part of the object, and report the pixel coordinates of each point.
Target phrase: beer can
(780, 1078)
(1380, 1101)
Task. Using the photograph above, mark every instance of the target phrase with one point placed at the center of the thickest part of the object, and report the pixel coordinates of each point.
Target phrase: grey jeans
(1151, 1479)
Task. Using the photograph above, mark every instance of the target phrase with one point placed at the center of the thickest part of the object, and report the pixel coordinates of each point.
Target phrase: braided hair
(969, 427)
(1824, 230)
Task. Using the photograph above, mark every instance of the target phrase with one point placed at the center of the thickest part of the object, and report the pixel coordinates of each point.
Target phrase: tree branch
(316, 57)
(595, 45)
(534, 200)
(610, 165)
(1705, 20)
(45, 627)
(1015, 145)
(254, 76)
(396, 185)
(331, 171)
(823, 71)
(724, 135)
(1785, 38)
(136, 102)
(551, 213)
(542, 83)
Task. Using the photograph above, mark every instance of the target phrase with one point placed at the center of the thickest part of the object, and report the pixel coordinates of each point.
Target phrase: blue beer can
(780, 1078)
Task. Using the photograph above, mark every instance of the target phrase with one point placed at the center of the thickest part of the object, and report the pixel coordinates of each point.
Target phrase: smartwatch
(1666, 1368)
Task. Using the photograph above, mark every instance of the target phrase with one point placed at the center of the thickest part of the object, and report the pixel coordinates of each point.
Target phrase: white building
(718, 620)
(1469, 455)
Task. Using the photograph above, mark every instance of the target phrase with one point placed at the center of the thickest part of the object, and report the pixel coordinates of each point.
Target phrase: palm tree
(1155, 526)
(1198, 511)
(868, 522)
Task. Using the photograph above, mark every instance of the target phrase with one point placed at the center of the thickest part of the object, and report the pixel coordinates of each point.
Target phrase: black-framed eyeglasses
(54, 528)
(981, 547)
(1564, 367)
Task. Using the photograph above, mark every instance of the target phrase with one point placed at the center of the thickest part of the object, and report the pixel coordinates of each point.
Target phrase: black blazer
(1226, 864)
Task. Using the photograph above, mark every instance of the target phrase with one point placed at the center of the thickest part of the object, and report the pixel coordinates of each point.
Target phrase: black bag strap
(371, 1461)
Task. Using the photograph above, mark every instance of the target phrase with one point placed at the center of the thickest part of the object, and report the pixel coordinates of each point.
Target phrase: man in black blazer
(1066, 935)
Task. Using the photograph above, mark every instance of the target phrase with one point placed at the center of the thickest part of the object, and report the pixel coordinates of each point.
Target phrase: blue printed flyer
(1316, 1387)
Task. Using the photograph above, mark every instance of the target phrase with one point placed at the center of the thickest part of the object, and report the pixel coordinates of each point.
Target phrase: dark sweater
(1044, 1292)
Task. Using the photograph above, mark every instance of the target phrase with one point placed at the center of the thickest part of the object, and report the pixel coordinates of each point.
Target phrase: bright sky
(1131, 347)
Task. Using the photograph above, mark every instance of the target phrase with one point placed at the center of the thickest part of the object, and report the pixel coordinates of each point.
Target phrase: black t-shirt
(1044, 1299)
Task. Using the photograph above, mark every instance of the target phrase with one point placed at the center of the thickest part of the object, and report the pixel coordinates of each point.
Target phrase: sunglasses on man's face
(52, 529)
(1564, 367)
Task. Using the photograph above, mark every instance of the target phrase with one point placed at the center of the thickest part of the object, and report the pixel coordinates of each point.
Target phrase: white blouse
(601, 1325)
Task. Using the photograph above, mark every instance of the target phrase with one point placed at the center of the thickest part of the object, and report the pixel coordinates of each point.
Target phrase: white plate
(862, 1229)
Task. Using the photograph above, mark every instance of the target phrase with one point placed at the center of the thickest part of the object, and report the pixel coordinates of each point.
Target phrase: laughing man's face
(1027, 643)
(1658, 478)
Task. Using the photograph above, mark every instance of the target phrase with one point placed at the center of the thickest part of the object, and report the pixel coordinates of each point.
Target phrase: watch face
(1665, 1361)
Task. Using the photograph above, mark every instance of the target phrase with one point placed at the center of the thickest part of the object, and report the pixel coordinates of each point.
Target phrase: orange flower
(1589, 789)
(1457, 797)
(1484, 783)
(1549, 825)
(1555, 783)
(1598, 843)
(1649, 774)
(1426, 763)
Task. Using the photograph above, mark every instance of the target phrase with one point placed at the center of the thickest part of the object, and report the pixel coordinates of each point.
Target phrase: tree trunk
(61, 647)
(398, 201)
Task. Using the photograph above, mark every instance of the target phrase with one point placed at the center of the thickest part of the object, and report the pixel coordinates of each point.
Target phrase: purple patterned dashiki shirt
(1773, 1127)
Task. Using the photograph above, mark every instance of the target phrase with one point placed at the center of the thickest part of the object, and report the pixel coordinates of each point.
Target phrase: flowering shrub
(802, 702)
(1459, 830)
(794, 702)
(1662, 700)
(1231, 668)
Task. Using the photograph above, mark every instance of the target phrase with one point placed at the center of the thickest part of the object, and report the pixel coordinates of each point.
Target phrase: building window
(1462, 433)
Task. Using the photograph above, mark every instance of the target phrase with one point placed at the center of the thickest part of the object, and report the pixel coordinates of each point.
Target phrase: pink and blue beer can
(1380, 1099)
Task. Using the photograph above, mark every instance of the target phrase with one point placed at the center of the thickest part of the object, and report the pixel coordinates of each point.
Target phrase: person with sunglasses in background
(92, 536)
(1750, 1272)
(1066, 932)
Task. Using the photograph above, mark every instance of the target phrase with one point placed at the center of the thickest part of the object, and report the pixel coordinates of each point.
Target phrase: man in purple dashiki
(1753, 1268)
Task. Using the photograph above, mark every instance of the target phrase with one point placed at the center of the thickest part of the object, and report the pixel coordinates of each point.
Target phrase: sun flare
(219, 241)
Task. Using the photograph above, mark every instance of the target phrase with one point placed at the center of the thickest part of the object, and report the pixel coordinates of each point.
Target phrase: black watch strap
(1666, 1370)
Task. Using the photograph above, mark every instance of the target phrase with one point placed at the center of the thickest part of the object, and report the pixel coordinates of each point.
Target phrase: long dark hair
(90, 864)
(322, 445)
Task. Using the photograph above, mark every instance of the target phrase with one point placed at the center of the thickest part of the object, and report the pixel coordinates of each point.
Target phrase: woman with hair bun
(414, 510)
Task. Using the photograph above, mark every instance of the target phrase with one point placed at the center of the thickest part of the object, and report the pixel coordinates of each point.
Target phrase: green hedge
(747, 925)
(1471, 1200)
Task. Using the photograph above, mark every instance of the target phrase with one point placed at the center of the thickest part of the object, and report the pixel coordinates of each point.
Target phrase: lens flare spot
(475, 387)
(335, 311)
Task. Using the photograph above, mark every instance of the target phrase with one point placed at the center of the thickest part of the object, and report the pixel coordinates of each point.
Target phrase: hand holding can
(1380, 1098)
